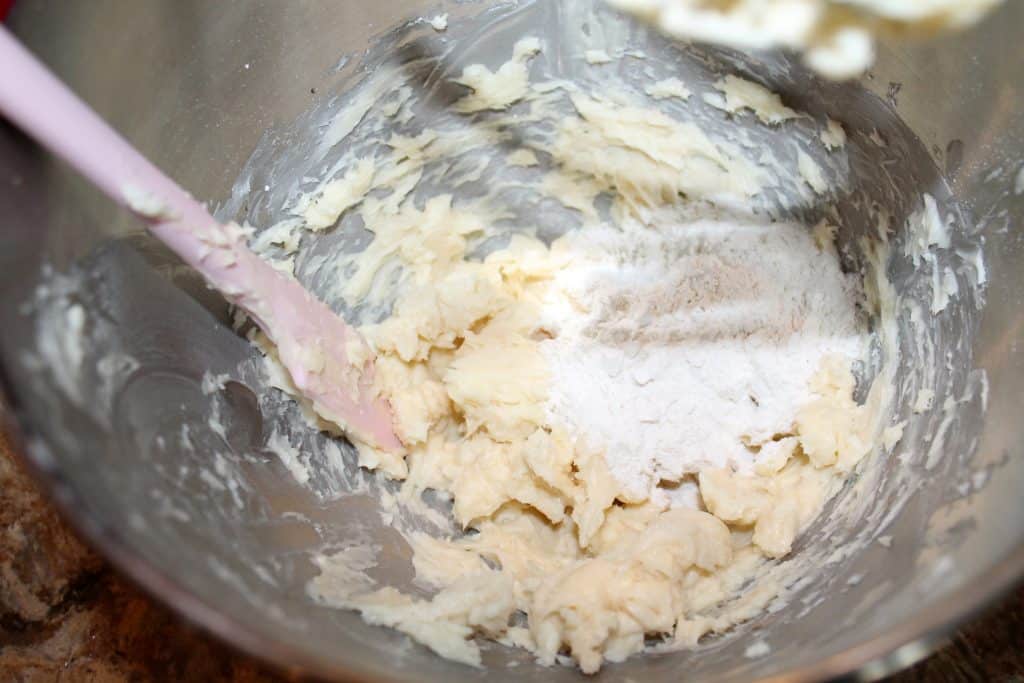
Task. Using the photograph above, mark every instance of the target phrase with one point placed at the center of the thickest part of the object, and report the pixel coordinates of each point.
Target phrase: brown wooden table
(66, 616)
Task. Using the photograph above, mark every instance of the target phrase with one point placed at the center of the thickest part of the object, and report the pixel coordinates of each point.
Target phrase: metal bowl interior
(196, 85)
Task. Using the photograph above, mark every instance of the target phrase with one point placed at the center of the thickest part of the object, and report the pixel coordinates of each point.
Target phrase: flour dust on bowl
(703, 366)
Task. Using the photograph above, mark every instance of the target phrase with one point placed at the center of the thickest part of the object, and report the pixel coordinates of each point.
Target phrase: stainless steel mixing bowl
(194, 84)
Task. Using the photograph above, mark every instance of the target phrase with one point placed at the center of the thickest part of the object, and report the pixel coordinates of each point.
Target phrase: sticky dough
(836, 37)
(594, 569)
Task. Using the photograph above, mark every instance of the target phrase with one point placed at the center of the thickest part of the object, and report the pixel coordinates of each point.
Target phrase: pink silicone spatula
(328, 361)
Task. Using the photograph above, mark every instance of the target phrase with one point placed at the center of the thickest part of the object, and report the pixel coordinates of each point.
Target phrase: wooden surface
(66, 616)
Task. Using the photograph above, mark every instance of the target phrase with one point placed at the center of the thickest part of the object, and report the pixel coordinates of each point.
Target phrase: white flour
(690, 345)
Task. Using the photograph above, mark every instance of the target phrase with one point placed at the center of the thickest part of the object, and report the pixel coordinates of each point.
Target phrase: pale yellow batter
(836, 37)
(594, 568)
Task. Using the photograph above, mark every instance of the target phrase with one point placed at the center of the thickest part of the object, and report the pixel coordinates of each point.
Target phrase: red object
(5, 7)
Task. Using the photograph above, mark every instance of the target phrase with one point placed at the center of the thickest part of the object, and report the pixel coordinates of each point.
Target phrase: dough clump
(836, 37)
